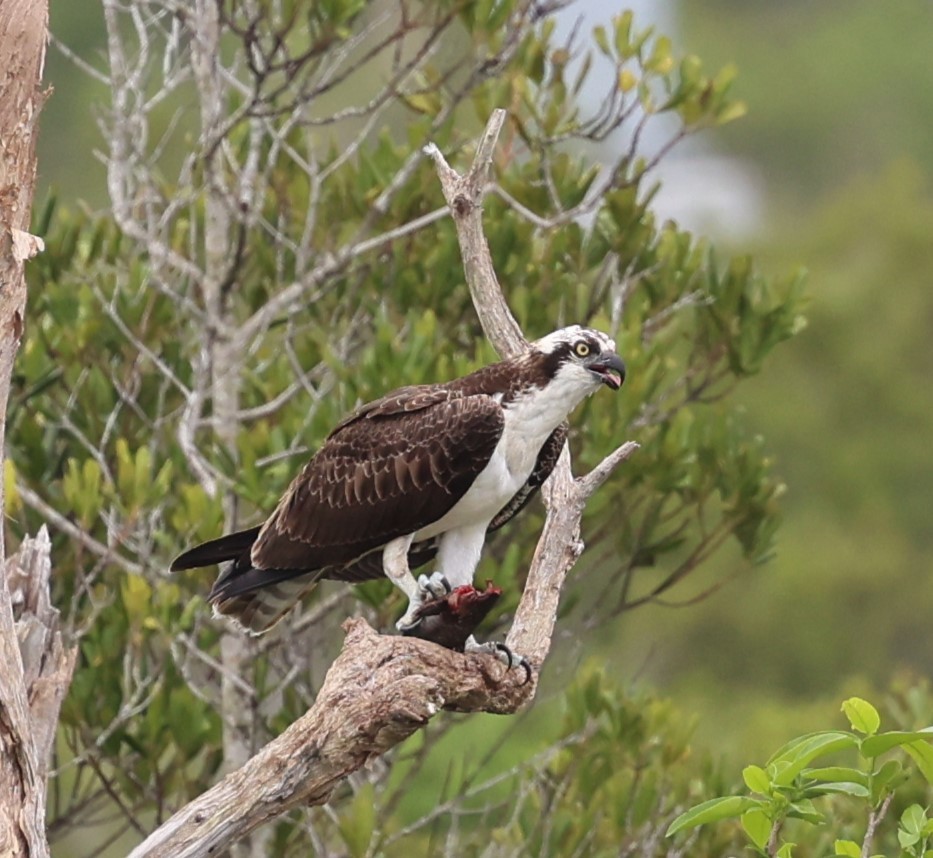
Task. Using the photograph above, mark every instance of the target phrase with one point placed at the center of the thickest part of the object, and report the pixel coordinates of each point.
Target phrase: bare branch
(376, 694)
(595, 478)
(464, 195)
(65, 525)
(874, 820)
(559, 545)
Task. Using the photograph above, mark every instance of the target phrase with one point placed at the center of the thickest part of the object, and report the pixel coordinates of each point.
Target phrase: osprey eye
(582, 349)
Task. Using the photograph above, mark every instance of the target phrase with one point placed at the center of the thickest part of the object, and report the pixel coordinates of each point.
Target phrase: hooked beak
(610, 369)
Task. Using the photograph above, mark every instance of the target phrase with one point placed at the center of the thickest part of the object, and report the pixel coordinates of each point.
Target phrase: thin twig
(66, 526)
(874, 820)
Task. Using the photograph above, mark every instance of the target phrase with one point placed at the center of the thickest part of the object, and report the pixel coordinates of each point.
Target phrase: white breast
(529, 419)
(495, 486)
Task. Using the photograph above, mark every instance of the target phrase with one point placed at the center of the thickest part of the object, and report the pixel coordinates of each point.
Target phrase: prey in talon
(420, 476)
(451, 619)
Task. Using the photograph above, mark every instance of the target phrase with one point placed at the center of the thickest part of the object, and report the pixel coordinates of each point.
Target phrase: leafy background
(837, 133)
(837, 95)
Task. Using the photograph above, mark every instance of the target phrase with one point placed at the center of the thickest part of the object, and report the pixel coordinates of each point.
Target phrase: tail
(231, 547)
(255, 599)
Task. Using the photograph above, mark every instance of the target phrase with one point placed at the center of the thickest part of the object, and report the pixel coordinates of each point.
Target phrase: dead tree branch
(35, 664)
(35, 672)
(464, 195)
(381, 689)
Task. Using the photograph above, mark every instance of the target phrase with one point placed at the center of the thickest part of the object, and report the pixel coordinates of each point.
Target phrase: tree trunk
(35, 665)
(23, 31)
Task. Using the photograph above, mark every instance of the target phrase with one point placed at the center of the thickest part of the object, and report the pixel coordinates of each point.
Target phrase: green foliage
(842, 413)
(116, 368)
(809, 70)
(786, 787)
(617, 767)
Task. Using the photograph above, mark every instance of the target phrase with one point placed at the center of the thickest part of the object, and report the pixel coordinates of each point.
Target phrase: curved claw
(433, 586)
(502, 652)
(514, 661)
(430, 589)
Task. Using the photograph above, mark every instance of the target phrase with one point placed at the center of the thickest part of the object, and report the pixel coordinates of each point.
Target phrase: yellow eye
(582, 349)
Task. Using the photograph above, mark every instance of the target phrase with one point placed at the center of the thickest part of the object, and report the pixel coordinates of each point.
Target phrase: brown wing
(393, 467)
(369, 567)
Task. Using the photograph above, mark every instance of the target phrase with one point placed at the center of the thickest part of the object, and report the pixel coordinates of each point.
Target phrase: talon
(434, 587)
(430, 589)
(407, 624)
(502, 652)
(514, 661)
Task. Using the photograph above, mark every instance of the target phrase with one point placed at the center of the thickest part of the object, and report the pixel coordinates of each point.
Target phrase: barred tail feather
(256, 599)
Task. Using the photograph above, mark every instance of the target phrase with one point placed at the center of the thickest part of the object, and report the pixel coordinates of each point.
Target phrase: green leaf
(862, 715)
(887, 773)
(837, 774)
(805, 809)
(840, 787)
(793, 758)
(691, 69)
(732, 111)
(874, 746)
(9, 486)
(623, 34)
(848, 848)
(602, 40)
(81, 487)
(887, 779)
(727, 807)
(137, 597)
(660, 59)
(757, 826)
(756, 779)
(914, 819)
(922, 755)
(786, 851)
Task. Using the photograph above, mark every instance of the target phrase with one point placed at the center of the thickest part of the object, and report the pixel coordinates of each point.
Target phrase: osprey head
(582, 357)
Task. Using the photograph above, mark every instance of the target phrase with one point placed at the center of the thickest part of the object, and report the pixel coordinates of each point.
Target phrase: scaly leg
(502, 652)
(458, 556)
(395, 565)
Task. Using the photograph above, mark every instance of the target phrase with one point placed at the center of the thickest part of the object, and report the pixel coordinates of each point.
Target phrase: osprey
(423, 473)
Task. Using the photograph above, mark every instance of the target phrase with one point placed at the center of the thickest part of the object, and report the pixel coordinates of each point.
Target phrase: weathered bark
(464, 196)
(34, 677)
(376, 694)
(35, 665)
(23, 33)
(381, 689)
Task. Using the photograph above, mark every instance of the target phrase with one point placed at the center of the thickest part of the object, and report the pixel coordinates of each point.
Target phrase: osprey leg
(395, 564)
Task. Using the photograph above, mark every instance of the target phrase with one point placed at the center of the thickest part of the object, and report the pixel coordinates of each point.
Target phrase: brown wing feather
(392, 468)
(369, 567)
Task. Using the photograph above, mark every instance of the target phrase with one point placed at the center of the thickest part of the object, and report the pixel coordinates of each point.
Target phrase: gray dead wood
(35, 664)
